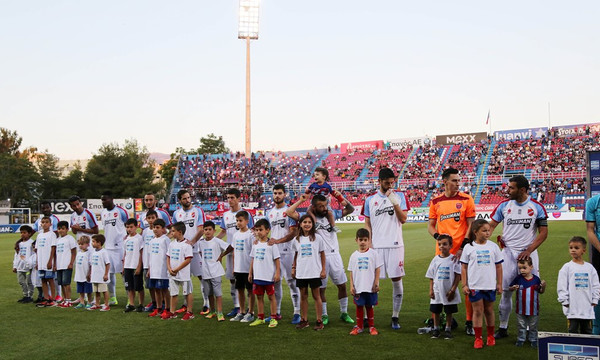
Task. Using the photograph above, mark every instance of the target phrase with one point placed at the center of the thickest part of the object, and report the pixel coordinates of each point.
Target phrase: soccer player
(592, 219)
(228, 228)
(385, 212)
(150, 202)
(524, 229)
(83, 222)
(283, 229)
(453, 213)
(114, 218)
(193, 218)
(46, 209)
(334, 264)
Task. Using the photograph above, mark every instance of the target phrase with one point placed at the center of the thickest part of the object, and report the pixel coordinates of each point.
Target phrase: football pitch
(30, 332)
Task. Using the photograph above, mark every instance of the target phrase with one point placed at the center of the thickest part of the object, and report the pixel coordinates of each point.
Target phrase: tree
(211, 144)
(127, 171)
(18, 180)
(50, 173)
(10, 142)
(168, 168)
(73, 183)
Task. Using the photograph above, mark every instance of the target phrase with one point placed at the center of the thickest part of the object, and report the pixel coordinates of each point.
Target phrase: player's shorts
(485, 295)
(84, 287)
(366, 299)
(46, 274)
(510, 268)
(312, 283)
(63, 277)
(229, 267)
(263, 287)
(186, 287)
(285, 264)
(115, 257)
(393, 262)
(334, 269)
(132, 281)
(146, 279)
(159, 284)
(241, 281)
(196, 265)
(212, 287)
(99, 287)
(448, 309)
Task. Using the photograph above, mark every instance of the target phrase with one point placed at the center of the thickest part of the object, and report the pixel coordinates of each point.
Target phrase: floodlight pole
(248, 126)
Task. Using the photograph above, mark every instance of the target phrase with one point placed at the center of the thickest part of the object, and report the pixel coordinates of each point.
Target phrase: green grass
(30, 332)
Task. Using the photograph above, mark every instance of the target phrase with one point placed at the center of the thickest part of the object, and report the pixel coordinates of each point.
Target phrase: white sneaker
(247, 318)
(238, 317)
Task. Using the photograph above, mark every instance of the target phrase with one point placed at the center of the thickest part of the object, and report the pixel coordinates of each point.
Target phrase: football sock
(343, 305)
(505, 307)
(397, 293)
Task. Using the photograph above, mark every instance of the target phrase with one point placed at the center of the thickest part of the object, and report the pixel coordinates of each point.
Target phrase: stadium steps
(408, 158)
(365, 171)
(427, 199)
(445, 155)
(481, 174)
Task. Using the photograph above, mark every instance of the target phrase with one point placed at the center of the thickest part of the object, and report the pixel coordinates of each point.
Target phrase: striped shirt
(528, 302)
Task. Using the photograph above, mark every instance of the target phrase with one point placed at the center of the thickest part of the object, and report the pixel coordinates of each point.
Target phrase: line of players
(524, 230)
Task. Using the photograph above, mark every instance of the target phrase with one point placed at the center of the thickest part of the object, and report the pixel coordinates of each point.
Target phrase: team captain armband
(541, 222)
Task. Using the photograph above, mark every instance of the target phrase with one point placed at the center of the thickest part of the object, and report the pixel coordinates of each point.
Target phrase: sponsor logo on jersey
(280, 223)
(389, 210)
(454, 215)
(111, 222)
(525, 222)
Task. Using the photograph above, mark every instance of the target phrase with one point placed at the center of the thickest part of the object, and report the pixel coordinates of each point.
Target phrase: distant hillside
(159, 157)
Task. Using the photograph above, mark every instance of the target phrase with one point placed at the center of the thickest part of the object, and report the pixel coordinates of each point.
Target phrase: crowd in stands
(425, 163)
(467, 157)
(346, 166)
(392, 158)
(519, 154)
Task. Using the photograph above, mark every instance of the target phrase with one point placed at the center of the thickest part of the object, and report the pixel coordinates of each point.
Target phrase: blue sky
(77, 74)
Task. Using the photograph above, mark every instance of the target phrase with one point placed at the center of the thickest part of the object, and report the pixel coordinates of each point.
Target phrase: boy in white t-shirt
(100, 266)
(132, 266)
(242, 246)
(158, 274)
(66, 251)
(578, 288)
(23, 263)
(179, 256)
(364, 266)
(444, 275)
(264, 272)
(45, 245)
(148, 235)
(82, 272)
(212, 250)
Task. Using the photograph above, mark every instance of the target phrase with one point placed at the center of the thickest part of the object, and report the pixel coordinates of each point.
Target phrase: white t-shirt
(363, 266)
(280, 227)
(178, 252)
(578, 287)
(44, 243)
(82, 265)
(481, 260)
(229, 224)
(26, 251)
(387, 230)
(133, 245)
(264, 255)
(157, 257)
(242, 246)
(519, 222)
(114, 227)
(99, 259)
(64, 245)
(210, 251)
(162, 214)
(308, 260)
(85, 220)
(443, 272)
(147, 235)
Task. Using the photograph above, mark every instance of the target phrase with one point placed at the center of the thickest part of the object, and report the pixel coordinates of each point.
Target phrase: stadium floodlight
(248, 30)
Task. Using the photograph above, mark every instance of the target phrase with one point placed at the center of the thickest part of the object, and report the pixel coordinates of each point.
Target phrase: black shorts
(448, 309)
(313, 283)
(133, 282)
(241, 281)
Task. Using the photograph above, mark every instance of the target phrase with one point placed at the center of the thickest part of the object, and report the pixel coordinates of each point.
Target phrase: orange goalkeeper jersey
(451, 214)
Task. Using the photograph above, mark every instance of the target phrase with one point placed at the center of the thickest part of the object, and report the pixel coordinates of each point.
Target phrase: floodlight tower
(248, 30)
